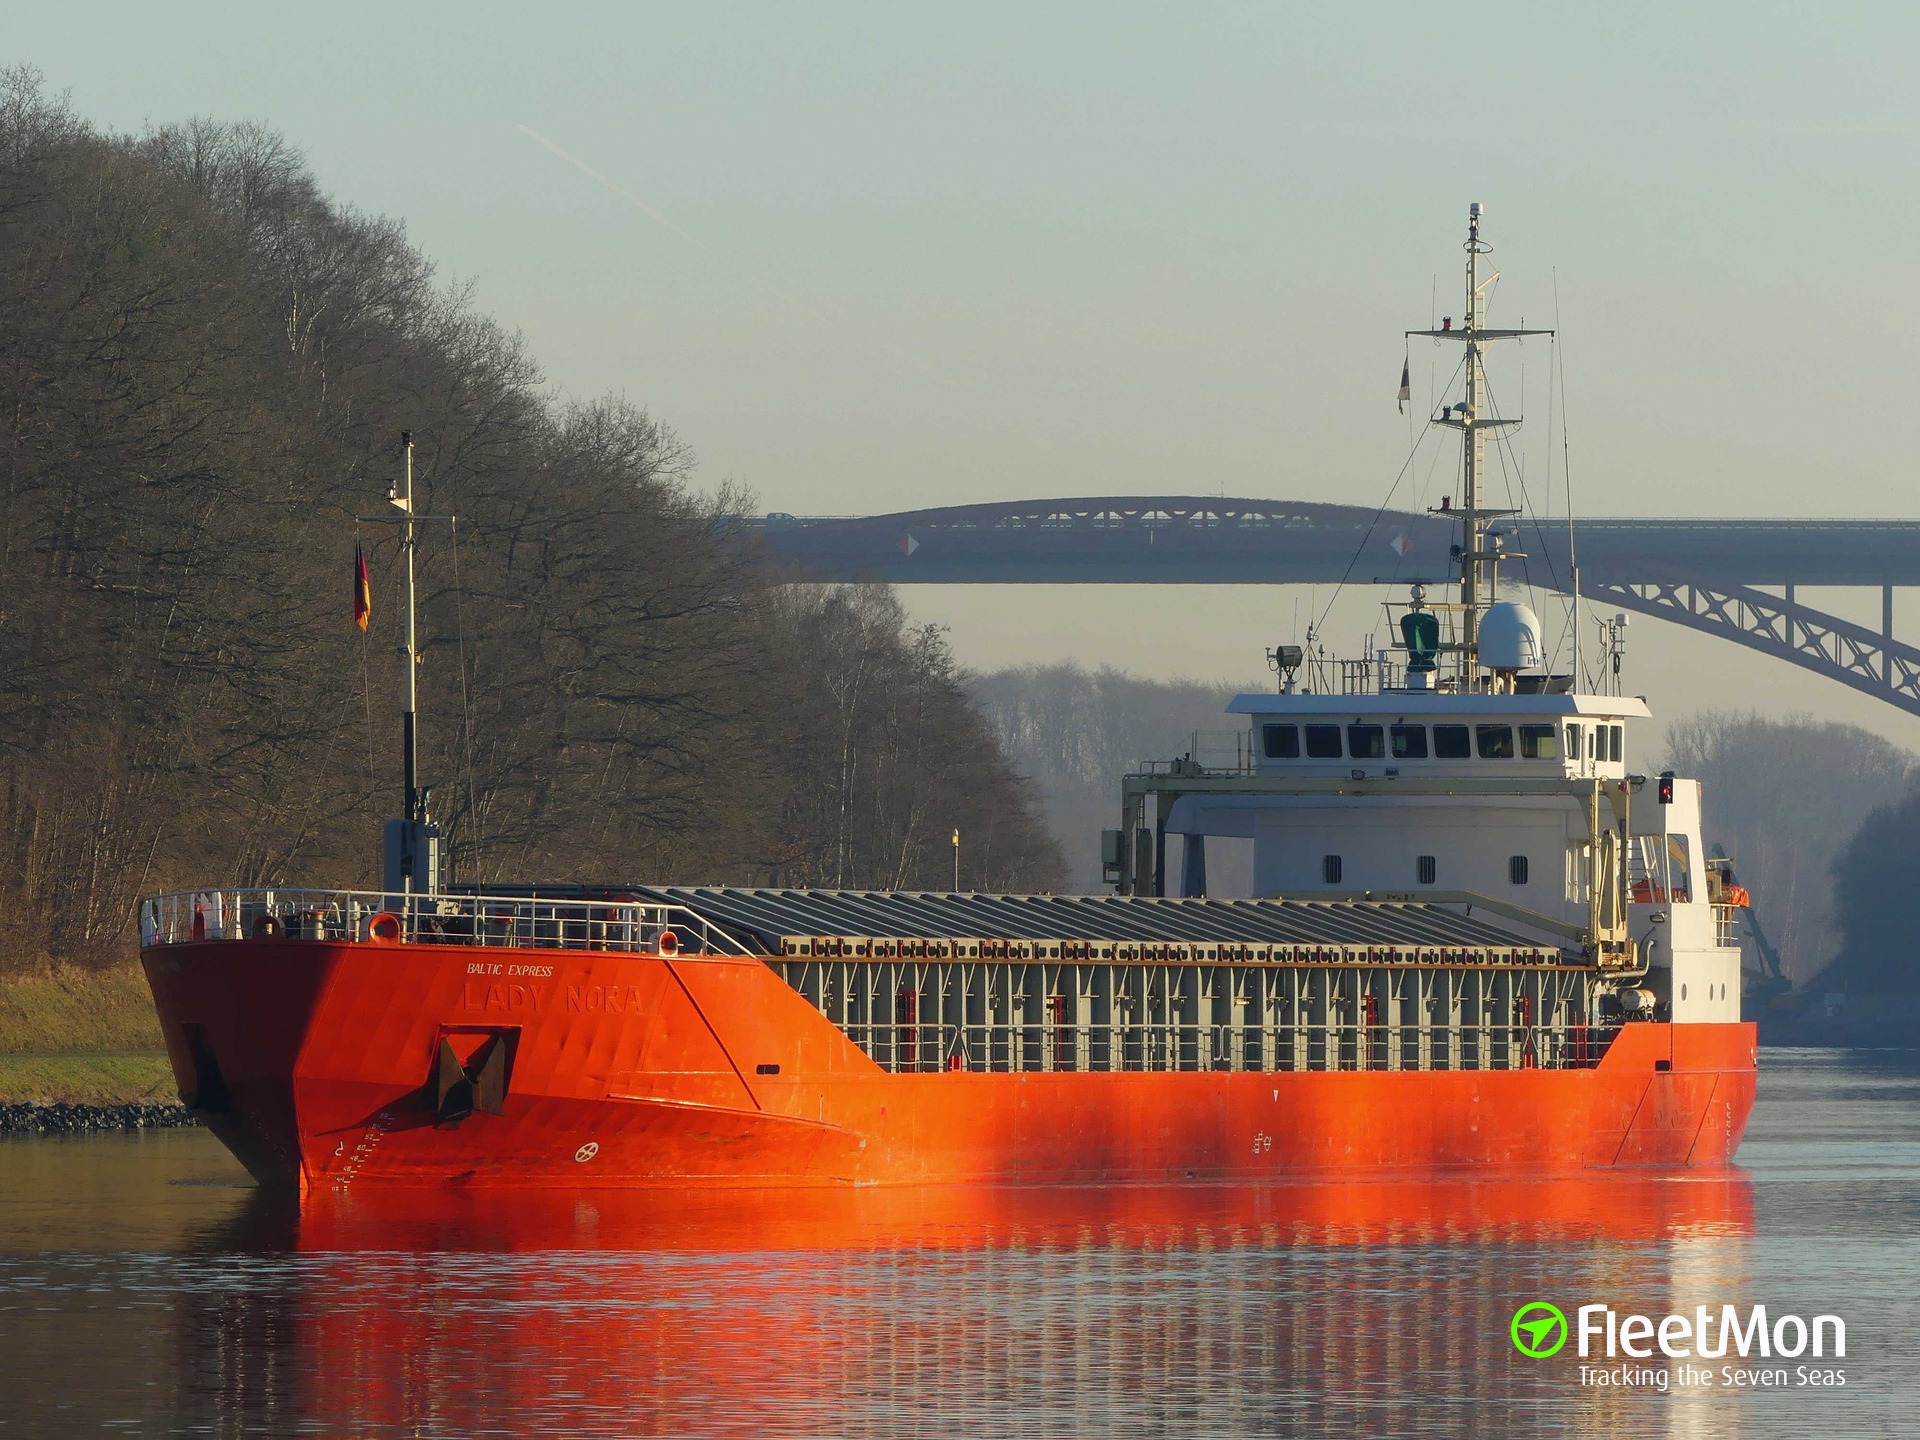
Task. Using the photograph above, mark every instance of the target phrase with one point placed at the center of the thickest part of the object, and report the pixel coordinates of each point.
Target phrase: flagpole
(415, 862)
(410, 652)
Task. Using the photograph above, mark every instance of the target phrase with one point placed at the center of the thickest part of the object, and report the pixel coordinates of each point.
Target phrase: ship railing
(1379, 672)
(1726, 926)
(934, 1046)
(1209, 752)
(506, 922)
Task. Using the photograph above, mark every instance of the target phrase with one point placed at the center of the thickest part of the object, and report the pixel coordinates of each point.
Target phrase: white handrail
(189, 917)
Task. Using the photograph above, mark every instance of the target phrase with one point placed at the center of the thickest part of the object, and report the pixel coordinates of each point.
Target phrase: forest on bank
(205, 368)
(1822, 821)
(1077, 731)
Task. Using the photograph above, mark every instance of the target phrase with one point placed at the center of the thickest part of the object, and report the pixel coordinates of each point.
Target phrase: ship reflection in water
(1364, 1307)
(141, 1293)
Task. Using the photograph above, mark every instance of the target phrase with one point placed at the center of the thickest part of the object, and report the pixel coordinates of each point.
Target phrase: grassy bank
(68, 1009)
(86, 1078)
(84, 1036)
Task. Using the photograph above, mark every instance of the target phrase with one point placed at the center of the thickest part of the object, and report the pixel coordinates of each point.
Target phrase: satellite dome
(1510, 638)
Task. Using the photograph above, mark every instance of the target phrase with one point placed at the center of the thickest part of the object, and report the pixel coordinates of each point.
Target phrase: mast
(410, 651)
(415, 860)
(1473, 446)
(1479, 559)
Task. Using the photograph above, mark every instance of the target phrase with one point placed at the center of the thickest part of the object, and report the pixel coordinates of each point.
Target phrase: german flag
(362, 588)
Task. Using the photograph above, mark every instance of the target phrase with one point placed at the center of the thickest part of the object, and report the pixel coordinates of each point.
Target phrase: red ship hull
(639, 1070)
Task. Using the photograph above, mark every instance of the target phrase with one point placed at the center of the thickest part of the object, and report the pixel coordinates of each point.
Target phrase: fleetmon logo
(1539, 1330)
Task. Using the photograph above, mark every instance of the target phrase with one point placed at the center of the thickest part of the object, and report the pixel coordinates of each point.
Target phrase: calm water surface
(144, 1290)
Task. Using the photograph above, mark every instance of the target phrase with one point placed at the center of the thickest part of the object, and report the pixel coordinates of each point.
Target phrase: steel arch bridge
(1732, 578)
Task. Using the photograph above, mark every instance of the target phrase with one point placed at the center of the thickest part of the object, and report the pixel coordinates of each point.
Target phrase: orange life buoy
(669, 943)
(385, 928)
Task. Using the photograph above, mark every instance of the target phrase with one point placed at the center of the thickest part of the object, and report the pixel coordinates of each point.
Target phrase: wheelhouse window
(1408, 742)
(1280, 742)
(1614, 747)
(1537, 743)
(1323, 742)
(1495, 742)
(1427, 869)
(1452, 742)
(1330, 869)
(1366, 742)
(1573, 742)
(1517, 870)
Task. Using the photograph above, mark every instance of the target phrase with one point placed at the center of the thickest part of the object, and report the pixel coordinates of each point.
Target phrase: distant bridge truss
(1872, 662)
(1710, 575)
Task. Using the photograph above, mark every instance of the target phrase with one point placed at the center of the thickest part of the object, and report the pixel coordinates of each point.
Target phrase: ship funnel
(1510, 638)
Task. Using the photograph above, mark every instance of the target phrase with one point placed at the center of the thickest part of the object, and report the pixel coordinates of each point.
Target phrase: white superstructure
(1457, 826)
(1459, 769)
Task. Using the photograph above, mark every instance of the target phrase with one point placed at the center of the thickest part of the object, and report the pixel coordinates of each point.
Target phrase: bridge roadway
(1718, 576)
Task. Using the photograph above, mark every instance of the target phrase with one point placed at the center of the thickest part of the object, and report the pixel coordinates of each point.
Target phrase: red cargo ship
(1475, 950)
(332, 1041)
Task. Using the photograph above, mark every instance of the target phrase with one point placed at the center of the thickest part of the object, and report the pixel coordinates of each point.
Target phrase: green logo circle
(1538, 1330)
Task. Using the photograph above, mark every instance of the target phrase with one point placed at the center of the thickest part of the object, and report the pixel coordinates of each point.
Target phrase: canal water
(146, 1290)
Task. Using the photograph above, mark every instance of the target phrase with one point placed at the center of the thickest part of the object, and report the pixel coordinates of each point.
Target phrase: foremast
(414, 859)
(1472, 418)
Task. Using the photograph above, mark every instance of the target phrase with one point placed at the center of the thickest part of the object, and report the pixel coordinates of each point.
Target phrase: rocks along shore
(29, 1118)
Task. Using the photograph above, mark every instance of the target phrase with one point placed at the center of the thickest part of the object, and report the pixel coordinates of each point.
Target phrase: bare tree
(204, 365)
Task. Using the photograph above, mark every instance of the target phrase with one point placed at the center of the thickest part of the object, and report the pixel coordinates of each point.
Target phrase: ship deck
(905, 924)
(923, 981)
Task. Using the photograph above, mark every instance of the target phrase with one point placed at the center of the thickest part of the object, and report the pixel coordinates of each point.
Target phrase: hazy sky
(877, 257)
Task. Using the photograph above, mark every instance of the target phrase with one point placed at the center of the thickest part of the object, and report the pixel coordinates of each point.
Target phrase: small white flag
(1400, 545)
(908, 544)
(1406, 384)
